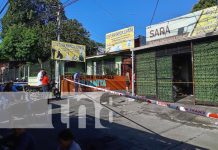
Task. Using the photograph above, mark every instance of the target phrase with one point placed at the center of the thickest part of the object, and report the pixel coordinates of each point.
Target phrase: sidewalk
(128, 106)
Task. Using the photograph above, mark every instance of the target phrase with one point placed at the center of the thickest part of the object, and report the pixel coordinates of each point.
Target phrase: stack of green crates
(164, 77)
(146, 74)
(206, 72)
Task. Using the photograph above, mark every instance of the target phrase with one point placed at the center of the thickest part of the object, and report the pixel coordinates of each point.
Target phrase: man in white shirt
(39, 77)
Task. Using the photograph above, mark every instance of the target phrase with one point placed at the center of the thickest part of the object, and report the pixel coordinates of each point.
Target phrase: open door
(164, 78)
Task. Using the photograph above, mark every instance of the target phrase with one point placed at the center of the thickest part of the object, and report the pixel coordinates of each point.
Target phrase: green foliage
(202, 4)
(38, 18)
(146, 74)
(205, 71)
(74, 32)
(20, 43)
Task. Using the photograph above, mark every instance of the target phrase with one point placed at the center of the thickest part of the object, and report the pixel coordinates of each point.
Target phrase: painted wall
(91, 65)
(72, 69)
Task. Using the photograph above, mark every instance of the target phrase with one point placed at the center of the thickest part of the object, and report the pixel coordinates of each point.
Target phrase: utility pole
(57, 73)
(133, 74)
(57, 62)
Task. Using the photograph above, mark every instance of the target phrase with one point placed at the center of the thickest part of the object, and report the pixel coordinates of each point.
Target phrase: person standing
(127, 76)
(45, 81)
(76, 78)
(39, 77)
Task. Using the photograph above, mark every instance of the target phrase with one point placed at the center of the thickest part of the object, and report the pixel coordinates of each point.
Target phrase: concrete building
(115, 63)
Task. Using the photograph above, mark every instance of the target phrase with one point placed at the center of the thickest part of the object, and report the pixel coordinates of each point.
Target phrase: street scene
(108, 75)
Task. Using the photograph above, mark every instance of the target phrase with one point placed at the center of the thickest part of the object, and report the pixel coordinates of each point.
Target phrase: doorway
(126, 66)
(182, 75)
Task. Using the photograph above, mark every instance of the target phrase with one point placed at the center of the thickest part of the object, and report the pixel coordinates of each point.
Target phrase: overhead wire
(155, 9)
(2, 3)
(2, 10)
(69, 2)
(110, 14)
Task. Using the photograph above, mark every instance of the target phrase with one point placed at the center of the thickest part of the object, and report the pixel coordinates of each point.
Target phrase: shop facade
(115, 64)
(180, 59)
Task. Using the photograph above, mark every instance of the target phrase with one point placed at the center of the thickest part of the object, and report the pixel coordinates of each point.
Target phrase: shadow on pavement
(114, 137)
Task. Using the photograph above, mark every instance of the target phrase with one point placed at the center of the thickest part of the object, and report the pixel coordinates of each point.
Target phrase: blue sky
(102, 16)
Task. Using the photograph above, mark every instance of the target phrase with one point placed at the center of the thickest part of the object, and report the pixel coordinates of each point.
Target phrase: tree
(31, 13)
(73, 32)
(20, 43)
(202, 4)
(39, 18)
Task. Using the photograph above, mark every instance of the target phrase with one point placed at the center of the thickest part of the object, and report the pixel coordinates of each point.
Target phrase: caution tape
(155, 102)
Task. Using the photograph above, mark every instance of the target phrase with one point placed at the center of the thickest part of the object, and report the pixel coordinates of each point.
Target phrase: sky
(103, 16)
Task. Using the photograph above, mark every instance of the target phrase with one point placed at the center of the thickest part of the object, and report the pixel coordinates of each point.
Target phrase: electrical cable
(2, 3)
(69, 2)
(152, 18)
(110, 14)
(4, 7)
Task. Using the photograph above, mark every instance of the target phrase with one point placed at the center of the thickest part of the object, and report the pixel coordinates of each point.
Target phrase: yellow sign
(208, 21)
(120, 40)
(68, 51)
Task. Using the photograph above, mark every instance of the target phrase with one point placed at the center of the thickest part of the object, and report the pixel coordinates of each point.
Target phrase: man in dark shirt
(76, 78)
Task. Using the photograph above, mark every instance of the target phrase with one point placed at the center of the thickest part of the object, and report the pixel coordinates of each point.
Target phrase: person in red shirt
(45, 81)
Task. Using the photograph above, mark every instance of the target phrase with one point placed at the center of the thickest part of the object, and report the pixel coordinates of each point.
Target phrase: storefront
(179, 60)
(107, 64)
(114, 63)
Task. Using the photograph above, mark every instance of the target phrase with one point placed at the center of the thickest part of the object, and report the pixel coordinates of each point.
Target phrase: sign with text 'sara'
(193, 24)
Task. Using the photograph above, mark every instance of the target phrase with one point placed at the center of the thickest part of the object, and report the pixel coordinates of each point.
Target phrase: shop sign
(193, 24)
(120, 40)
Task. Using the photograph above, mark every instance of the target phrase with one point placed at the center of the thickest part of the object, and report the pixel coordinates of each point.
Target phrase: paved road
(135, 126)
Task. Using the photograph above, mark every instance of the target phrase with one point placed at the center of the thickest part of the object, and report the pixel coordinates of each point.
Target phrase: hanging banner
(120, 40)
(68, 52)
(193, 24)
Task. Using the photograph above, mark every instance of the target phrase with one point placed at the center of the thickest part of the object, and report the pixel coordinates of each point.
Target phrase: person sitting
(8, 87)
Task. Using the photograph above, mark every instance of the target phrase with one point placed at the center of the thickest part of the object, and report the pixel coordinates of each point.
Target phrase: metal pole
(2, 75)
(28, 72)
(24, 72)
(133, 74)
(63, 68)
(58, 38)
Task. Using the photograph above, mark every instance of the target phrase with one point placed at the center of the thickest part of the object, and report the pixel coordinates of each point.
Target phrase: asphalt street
(126, 124)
